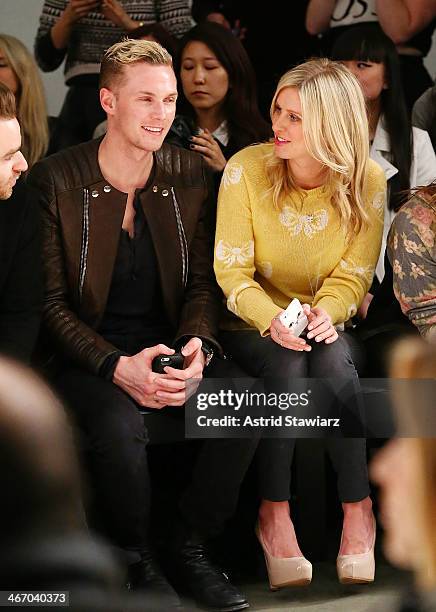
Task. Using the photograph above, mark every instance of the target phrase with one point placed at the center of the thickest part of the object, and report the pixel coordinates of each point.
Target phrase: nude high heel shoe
(357, 569)
(282, 572)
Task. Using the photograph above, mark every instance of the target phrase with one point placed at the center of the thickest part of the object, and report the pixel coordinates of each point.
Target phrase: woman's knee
(262, 357)
(284, 363)
(331, 360)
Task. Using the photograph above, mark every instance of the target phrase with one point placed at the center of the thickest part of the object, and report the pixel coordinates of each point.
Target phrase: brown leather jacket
(82, 217)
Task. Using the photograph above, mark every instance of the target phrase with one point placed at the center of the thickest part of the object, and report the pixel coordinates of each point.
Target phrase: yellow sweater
(264, 257)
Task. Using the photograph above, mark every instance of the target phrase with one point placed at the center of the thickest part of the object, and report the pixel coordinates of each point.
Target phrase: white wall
(20, 18)
(430, 60)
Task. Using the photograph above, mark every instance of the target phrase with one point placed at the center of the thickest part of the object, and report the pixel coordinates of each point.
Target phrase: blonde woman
(19, 72)
(302, 217)
(405, 470)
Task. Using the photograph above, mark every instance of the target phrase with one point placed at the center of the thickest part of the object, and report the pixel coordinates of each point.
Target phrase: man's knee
(101, 409)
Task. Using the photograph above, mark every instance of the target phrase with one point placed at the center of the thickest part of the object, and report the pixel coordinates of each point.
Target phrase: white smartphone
(294, 317)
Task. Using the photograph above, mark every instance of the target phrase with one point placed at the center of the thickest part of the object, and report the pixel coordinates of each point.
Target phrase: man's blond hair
(129, 52)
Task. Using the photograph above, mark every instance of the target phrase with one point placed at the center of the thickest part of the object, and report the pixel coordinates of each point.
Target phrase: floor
(325, 594)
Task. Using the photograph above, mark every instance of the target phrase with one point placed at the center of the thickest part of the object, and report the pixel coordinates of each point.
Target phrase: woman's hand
(284, 336)
(113, 11)
(219, 18)
(76, 9)
(363, 308)
(210, 150)
(64, 26)
(320, 326)
(237, 30)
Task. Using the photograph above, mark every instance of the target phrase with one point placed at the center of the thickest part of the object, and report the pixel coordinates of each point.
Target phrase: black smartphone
(173, 361)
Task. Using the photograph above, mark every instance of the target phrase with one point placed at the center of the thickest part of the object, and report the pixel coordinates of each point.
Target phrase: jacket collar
(93, 175)
(381, 149)
(107, 207)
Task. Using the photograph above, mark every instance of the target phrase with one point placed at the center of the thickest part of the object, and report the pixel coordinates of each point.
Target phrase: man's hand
(175, 387)
(320, 326)
(135, 376)
(285, 337)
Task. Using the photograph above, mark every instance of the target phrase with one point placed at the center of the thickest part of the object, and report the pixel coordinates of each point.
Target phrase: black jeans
(113, 434)
(262, 357)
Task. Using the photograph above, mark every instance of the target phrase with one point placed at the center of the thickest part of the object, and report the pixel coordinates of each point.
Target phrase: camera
(162, 361)
(294, 317)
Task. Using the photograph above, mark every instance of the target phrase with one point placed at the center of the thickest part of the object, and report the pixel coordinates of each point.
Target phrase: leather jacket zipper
(182, 240)
(85, 241)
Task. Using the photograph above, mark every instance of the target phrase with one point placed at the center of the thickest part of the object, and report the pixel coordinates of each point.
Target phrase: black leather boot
(207, 584)
(145, 576)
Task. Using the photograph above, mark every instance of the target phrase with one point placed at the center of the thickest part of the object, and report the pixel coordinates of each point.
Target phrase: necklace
(304, 227)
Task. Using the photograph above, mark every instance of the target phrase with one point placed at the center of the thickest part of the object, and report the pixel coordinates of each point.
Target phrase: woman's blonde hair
(415, 411)
(31, 105)
(335, 132)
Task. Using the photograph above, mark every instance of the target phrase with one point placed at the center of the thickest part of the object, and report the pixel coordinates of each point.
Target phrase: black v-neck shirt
(135, 317)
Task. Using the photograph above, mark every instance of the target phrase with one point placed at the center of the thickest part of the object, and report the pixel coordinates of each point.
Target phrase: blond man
(129, 226)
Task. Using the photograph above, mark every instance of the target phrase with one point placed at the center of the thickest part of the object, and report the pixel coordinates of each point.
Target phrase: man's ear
(108, 100)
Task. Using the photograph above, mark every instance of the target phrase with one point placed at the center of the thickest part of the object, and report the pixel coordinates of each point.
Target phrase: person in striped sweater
(80, 31)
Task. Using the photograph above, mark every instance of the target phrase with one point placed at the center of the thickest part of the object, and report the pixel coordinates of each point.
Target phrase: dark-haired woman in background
(408, 160)
(408, 23)
(405, 153)
(218, 111)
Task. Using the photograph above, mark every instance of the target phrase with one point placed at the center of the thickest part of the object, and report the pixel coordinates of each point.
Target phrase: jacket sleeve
(425, 158)
(71, 337)
(47, 56)
(202, 299)
(424, 110)
(21, 297)
(343, 290)
(412, 253)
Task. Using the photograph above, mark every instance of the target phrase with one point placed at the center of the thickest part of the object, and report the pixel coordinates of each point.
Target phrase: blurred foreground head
(39, 477)
(405, 468)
